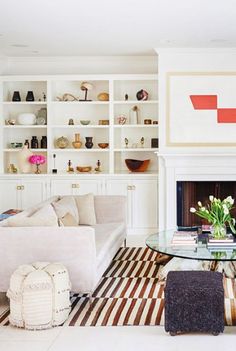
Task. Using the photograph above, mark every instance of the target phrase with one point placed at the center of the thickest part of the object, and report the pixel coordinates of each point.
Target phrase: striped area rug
(129, 294)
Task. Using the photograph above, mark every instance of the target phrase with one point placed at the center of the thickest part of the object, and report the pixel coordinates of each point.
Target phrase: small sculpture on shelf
(126, 142)
(54, 170)
(134, 115)
(44, 97)
(30, 96)
(98, 168)
(16, 96)
(71, 122)
(142, 142)
(142, 95)
(70, 169)
(86, 86)
(12, 168)
(10, 122)
(126, 97)
(121, 119)
(67, 97)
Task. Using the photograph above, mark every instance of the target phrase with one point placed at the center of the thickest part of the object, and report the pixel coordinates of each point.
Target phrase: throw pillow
(44, 217)
(68, 221)
(66, 205)
(86, 209)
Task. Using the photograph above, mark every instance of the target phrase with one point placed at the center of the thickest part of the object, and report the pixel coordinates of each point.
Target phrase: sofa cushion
(86, 209)
(66, 205)
(68, 221)
(106, 236)
(43, 217)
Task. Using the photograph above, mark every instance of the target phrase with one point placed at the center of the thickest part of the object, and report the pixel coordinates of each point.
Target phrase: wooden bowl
(103, 145)
(84, 169)
(137, 165)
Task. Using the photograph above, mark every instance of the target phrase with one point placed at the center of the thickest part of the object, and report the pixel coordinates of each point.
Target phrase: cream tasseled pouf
(39, 295)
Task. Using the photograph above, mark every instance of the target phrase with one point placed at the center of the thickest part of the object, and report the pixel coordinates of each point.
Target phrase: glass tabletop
(162, 242)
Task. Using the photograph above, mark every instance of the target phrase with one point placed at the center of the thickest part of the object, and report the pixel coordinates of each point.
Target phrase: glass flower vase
(218, 231)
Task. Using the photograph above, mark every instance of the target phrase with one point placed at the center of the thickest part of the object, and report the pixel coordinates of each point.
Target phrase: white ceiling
(113, 27)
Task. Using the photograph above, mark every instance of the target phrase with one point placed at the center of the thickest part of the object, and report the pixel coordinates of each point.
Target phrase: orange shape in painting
(204, 102)
(226, 115)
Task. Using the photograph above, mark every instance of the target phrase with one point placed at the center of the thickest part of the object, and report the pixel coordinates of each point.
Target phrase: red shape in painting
(226, 115)
(204, 102)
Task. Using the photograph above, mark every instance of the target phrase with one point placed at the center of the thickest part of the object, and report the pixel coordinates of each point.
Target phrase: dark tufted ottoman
(194, 302)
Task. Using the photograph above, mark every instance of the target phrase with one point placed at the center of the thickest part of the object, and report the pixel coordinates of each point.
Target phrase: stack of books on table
(228, 243)
(184, 240)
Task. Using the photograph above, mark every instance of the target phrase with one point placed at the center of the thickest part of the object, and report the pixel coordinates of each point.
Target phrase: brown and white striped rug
(129, 294)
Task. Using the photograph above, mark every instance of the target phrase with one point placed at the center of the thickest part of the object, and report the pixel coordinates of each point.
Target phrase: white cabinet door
(121, 187)
(144, 203)
(61, 187)
(75, 187)
(9, 194)
(33, 192)
(87, 186)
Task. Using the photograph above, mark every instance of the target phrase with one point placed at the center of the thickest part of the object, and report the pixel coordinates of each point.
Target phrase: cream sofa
(86, 251)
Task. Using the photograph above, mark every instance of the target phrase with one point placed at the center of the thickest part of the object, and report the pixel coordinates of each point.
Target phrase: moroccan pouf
(194, 302)
(39, 295)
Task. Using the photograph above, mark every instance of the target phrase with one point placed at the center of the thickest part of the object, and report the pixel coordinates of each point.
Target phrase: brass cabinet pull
(18, 187)
(75, 186)
(133, 187)
(22, 187)
(129, 187)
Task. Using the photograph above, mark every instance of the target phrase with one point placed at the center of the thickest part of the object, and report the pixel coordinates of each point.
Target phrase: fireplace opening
(190, 192)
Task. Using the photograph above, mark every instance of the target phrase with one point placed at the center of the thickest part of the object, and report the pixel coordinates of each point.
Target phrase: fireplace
(188, 193)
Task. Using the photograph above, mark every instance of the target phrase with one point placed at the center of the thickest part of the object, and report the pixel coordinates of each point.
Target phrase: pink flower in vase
(37, 160)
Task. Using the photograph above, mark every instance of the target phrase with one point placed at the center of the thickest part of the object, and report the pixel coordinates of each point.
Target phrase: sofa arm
(72, 246)
(110, 208)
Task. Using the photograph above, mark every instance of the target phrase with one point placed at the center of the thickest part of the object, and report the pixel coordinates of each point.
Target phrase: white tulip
(199, 204)
(230, 200)
(193, 210)
(203, 209)
(211, 198)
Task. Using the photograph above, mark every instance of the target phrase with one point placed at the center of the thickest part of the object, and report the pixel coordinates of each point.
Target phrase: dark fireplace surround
(190, 192)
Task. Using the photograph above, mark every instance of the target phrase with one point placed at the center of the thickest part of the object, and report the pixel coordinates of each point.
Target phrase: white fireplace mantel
(189, 167)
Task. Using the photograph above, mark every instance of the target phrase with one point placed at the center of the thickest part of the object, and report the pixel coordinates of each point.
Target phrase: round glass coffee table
(161, 242)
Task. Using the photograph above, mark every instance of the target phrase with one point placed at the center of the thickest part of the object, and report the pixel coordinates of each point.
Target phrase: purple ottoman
(194, 302)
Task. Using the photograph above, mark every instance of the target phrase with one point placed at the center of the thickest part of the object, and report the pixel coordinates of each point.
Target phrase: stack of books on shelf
(184, 240)
(228, 243)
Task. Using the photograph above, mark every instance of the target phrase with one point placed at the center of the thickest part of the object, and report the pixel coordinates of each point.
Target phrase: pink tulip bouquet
(37, 160)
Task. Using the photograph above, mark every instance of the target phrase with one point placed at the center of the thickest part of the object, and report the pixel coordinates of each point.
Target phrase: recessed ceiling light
(165, 41)
(20, 46)
(218, 40)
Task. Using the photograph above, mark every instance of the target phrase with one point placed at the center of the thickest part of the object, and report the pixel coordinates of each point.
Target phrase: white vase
(23, 160)
(26, 118)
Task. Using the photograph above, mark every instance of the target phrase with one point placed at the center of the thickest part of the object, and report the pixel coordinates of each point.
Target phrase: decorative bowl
(84, 122)
(103, 145)
(26, 118)
(103, 96)
(137, 165)
(84, 169)
(62, 142)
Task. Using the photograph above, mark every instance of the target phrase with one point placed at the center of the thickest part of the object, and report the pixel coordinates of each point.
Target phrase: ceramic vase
(23, 160)
(77, 143)
(89, 142)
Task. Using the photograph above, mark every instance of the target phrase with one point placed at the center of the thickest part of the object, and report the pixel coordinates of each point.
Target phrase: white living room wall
(190, 60)
(191, 163)
(79, 65)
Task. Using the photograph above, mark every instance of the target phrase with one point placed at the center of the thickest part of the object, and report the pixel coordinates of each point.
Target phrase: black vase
(89, 142)
(16, 96)
(30, 96)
